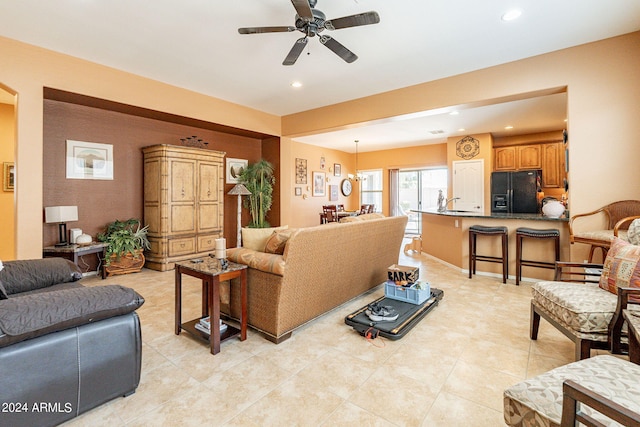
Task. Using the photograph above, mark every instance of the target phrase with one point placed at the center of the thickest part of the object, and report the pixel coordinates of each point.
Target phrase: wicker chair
(618, 216)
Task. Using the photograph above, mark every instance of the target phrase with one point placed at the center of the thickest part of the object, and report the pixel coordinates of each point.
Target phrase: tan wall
(602, 111)
(602, 114)
(7, 153)
(27, 70)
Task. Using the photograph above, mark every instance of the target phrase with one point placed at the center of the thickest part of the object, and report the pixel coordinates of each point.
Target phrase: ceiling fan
(311, 22)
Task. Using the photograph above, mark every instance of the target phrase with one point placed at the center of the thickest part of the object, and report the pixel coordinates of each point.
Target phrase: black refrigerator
(515, 192)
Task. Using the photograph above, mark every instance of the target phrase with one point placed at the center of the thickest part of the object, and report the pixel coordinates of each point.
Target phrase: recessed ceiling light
(461, 130)
(296, 84)
(511, 15)
(508, 127)
(454, 113)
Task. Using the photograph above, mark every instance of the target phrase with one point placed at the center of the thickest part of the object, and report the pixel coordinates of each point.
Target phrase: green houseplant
(259, 180)
(126, 241)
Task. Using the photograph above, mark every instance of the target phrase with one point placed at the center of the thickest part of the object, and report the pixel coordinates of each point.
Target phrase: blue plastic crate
(408, 294)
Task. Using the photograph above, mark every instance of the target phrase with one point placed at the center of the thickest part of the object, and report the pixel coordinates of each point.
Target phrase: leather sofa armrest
(34, 315)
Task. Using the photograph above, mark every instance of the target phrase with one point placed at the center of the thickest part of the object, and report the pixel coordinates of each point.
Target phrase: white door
(468, 185)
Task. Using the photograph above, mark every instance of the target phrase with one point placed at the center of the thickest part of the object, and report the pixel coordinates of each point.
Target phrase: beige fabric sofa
(321, 268)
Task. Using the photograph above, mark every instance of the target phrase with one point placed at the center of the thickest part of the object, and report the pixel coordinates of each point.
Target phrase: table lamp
(61, 215)
(239, 190)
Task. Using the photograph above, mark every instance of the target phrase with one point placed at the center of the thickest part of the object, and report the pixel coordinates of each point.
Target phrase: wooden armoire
(183, 203)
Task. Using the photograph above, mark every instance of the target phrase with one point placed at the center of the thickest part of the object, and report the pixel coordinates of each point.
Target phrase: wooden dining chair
(330, 213)
(364, 209)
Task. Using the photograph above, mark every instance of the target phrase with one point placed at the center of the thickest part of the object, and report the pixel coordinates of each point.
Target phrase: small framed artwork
(322, 162)
(319, 179)
(298, 191)
(301, 171)
(89, 160)
(333, 193)
(337, 169)
(234, 168)
(8, 176)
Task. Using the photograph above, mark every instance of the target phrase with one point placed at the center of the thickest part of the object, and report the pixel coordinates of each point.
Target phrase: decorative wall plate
(467, 148)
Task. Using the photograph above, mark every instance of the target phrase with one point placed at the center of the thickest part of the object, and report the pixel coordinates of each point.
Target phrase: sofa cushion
(633, 234)
(605, 235)
(621, 267)
(269, 263)
(278, 241)
(581, 307)
(27, 275)
(30, 316)
(538, 401)
(256, 238)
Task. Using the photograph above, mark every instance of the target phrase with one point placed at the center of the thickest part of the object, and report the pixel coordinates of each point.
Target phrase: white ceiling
(194, 44)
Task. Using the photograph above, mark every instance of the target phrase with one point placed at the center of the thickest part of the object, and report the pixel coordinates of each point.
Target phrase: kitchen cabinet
(183, 202)
(513, 158)
(553, 164)
(548, 156)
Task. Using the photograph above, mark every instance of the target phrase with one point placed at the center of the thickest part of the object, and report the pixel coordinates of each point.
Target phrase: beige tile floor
(450, 370)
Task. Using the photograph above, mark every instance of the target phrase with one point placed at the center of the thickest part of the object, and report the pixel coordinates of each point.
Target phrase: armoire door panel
(183, 219)
(182, 180)
(209, 182)
(208, 218)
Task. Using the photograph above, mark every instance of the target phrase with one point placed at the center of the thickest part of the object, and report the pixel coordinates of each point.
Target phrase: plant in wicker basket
(127, 240)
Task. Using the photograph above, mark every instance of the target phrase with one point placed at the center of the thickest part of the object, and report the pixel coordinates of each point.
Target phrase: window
(418, 190)
(371, 189)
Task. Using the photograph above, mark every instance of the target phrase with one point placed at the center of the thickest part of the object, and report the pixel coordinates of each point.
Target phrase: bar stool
(523, 232)
(482, 230)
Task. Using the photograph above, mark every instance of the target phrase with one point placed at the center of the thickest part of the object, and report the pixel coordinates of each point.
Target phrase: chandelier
(358, 176)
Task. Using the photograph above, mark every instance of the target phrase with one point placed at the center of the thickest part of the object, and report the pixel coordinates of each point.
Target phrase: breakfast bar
(445, 235)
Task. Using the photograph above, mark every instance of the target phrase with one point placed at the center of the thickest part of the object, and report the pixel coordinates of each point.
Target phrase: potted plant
(127, 240)
(259, 180)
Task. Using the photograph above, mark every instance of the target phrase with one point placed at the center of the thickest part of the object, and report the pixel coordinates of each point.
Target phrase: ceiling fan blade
(303, 9)
(259, 30)
(295, 51)
(338, 49)
(366, 18)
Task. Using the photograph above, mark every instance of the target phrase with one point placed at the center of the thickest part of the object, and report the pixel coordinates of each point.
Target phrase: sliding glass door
(418, 190)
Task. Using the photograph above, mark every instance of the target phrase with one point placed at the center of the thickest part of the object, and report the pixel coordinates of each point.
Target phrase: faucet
(443, 207)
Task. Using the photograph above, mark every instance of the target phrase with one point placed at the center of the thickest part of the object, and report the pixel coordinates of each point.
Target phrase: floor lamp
(239, 190)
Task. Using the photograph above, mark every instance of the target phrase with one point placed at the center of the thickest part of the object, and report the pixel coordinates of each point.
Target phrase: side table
(211, 274)
(633, 324)
(74, 252)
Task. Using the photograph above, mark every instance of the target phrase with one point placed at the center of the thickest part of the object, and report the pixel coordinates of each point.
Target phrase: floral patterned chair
(617, 216)
(607, 387)
(586, 304)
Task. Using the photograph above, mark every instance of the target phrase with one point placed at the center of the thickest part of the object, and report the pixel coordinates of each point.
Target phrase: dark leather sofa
(64, 348)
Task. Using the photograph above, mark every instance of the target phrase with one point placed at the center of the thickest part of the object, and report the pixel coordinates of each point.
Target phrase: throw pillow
(633, 234)
(256, 238)
(621, 267)
(278, 241)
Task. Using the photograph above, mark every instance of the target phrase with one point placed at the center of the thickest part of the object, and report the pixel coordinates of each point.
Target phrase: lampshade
(60, 214)
(239, 190)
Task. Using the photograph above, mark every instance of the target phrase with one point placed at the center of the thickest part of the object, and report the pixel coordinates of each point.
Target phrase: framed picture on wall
(333, 193)
(301, 171)
(234, 168)
(298, 191)
(89, 160)
(319, 179)
(8, 176)
(337, 169)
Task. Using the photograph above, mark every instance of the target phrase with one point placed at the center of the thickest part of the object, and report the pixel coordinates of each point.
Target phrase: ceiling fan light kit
(310, 22)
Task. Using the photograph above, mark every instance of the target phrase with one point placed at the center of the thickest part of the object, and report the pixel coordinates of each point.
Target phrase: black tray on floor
(408, 316)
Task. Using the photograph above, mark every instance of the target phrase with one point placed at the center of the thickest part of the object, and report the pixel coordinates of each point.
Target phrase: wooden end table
(73, 252)
(209, 271)
(633, 324)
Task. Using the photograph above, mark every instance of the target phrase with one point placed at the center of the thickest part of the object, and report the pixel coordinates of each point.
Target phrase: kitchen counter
(508, 216)
(445, 235)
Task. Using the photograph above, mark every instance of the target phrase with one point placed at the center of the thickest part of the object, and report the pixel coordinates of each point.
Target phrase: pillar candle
(221, 243)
